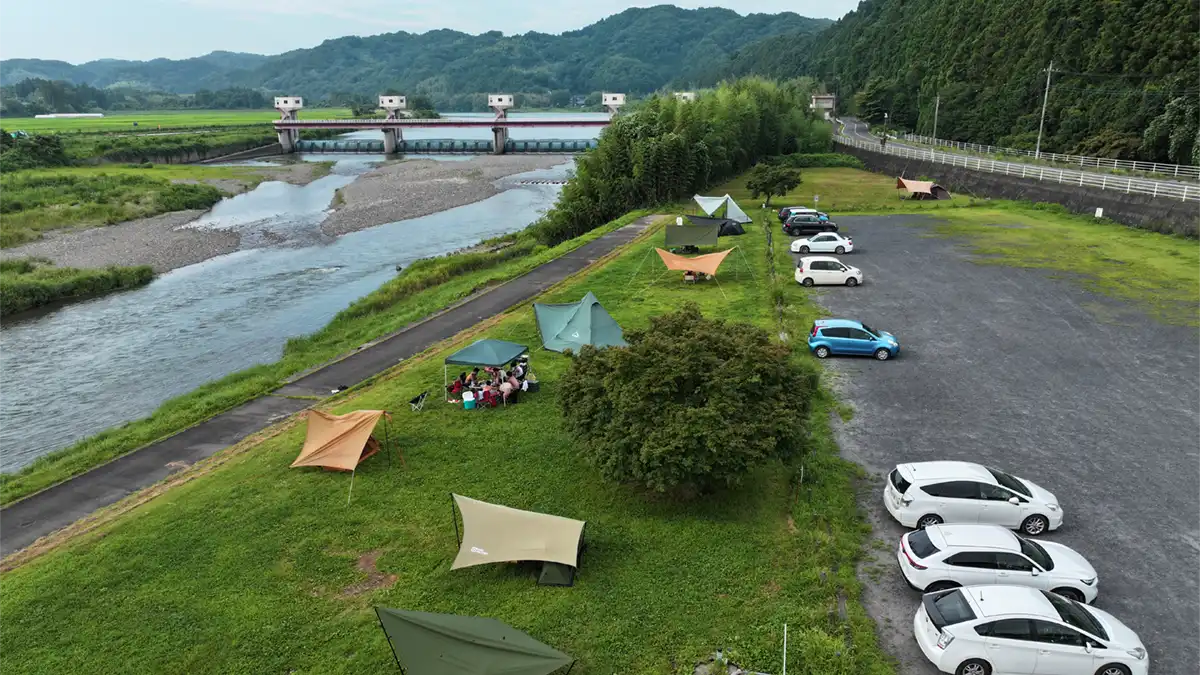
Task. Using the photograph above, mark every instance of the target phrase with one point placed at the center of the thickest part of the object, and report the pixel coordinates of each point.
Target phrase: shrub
(824, 159)
(690, 405)
(26, 283)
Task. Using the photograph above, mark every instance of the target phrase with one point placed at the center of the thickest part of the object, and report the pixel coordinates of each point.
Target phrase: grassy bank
(151, 120)
(422, 289)
(28, 283)
(239, 577)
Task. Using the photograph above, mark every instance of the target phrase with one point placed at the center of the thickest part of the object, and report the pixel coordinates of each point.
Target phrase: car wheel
(840, 250)
(852, 282)
(929, 520)
(807, 281)
(804, 249)
(941, 586)
(1113, 669)
(1070, 594)
(974, 667)
(882, 354)
(821, 352)
(1035, 525)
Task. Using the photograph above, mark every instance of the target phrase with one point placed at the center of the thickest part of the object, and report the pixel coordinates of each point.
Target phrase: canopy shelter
(922, 189)
(424, 643)
(692, 235)
(575, 324)
(726, 227)
(492, 533)
(704, 264)
(493, 353)
(711, 205)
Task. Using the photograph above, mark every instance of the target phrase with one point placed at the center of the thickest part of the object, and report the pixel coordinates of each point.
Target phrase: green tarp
(575, 324)
(425, 643)
(487, 353)
(692, 235)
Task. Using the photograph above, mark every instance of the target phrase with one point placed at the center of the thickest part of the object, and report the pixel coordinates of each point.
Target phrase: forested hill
(638, 50)
(1125, 81)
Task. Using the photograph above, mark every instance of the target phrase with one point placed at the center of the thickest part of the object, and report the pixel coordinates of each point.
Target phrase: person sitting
(459, 384)
(513, 382)
(519, 371)
(473, 378)
(506, 390)
(490, 398)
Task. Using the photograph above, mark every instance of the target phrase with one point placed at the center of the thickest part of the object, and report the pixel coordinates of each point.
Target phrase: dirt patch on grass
(375, 579)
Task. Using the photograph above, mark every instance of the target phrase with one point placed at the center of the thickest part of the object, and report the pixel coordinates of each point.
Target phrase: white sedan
(829, 242)
(1015, 630)
(825, 269)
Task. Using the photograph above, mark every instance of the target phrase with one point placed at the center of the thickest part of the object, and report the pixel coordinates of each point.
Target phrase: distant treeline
(41, 97)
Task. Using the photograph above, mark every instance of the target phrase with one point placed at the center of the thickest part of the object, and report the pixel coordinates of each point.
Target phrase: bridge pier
(288, 107)
(499, 140)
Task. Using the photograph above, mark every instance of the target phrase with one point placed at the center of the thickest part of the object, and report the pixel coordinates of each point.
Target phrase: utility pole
(937, 103)
(1037, 151)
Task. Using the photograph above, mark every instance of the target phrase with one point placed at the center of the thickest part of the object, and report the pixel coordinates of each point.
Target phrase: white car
(928, 493)
(828, 242)
(947, 556)
(824, 269)
(1016, 630)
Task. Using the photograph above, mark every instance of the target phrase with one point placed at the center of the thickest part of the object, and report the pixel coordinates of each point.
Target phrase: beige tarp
(493, 533)
(704, 264)
(923, 187)
(337, 441)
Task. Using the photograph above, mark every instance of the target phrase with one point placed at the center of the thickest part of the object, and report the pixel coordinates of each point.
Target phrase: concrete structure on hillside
(393, 105)
(686, 96)
(823, 105)
(612, 102)
(288, 107)
(500, 103)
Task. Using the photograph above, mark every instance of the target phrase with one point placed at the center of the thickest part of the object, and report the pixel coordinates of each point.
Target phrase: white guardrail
(1168, 170)
(1047, 174)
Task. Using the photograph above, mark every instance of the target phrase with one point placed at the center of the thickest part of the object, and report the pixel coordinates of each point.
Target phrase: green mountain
(1125, 83)
(636, 51)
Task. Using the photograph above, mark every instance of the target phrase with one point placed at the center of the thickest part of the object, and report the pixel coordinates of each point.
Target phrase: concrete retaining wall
(1160, 214)
(261, 151)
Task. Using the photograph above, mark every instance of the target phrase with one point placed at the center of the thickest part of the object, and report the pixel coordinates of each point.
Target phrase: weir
(447, 146)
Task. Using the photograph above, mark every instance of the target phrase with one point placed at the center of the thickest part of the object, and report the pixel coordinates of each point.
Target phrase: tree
(772, 179)
(690, 405)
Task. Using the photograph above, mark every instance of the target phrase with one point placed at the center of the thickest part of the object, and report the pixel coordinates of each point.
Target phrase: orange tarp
(337, 441)
(704, 264)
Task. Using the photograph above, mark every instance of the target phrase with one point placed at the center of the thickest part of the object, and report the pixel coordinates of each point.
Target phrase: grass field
(28, 282)
(153, 119)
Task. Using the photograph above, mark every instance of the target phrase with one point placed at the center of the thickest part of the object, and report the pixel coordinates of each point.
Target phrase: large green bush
(690, 405)
(32, 282)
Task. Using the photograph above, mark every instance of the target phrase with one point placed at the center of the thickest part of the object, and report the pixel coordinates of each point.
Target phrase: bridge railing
(1184, 171)
(1124, 184)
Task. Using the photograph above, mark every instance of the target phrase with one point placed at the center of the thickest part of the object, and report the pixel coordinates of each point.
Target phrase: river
(74, 371)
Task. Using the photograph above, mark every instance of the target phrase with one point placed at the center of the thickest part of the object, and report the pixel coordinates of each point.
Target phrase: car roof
(837, 323)
(820, 257)
(975, 537)
(1026, 601)
(928, 472)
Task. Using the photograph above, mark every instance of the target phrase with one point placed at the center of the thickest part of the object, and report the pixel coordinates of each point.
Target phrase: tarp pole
(389, 639)
(785, 649)
(445, 380)
(719, 287)
(639, 267)
(351, 492)
(454, 519)
(387, 440)
(570, 667)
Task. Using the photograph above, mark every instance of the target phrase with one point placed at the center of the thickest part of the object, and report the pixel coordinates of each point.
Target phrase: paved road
(1084, 395)
(59, 506)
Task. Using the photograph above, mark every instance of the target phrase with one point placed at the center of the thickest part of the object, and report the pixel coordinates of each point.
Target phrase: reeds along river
(77, 370)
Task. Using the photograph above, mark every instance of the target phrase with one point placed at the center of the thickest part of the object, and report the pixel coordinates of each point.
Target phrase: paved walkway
(54, 508)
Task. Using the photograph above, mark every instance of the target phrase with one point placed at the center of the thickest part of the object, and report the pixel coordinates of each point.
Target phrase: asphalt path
(40, 514)
(1085, 395)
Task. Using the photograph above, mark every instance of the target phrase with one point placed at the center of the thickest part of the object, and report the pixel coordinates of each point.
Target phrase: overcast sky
(83, 30)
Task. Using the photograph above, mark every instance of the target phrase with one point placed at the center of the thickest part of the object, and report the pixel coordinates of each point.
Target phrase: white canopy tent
(711, 205)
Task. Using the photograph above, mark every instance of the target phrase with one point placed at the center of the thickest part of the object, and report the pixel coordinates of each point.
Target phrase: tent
(424, 643)
(575, 324)
(494, 353)
(711, 205)
(922, 189)
(726, 227)
(493, 533)
(339, 442)
(704, 264)
(693, 235)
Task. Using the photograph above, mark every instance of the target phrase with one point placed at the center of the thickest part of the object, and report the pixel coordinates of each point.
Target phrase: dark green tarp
(692, 235)
(726, 227)
(575, 324)
(425, 643)
(487, 353)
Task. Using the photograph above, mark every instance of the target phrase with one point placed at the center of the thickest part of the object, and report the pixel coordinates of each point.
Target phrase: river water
(74, 371)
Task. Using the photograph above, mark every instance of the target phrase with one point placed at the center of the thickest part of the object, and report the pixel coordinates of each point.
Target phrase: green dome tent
(575, 324)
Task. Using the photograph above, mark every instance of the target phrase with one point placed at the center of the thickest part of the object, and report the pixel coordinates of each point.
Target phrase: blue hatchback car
(843, 336)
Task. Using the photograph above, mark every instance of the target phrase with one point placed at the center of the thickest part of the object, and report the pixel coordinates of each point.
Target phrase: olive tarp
(425, 643)
(339, 441)
(575, 324)
(492, 533)
(692, 235)
(726, 227)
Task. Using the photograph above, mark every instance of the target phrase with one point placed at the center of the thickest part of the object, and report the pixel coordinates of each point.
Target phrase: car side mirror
(1034, 571)
(1014, 501)
(1087, 646)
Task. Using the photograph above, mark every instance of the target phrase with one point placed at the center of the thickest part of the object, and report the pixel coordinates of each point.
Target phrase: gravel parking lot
(1083, 394)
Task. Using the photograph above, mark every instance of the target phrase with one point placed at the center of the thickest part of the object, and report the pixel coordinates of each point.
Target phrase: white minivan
(820, 270)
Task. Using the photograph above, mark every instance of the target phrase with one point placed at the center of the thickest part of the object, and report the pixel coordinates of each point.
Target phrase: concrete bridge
(289, 125)
(448, 146)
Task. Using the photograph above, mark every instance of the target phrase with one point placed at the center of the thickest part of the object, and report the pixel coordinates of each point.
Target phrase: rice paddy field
(154, 119)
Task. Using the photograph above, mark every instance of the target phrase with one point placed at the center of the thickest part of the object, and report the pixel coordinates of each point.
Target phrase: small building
(578, 101)
(823, 105)
(685, 96)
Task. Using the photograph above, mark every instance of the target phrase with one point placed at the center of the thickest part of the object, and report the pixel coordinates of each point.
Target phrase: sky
(83, 30)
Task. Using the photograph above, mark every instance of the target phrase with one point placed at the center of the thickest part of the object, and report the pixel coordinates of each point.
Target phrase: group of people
(491, 386)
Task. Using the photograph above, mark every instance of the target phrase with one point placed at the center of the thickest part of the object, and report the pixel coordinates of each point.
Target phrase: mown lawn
(252, 568)
(167, 119)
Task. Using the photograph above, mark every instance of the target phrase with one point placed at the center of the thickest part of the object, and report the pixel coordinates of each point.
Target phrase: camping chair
(418, 403)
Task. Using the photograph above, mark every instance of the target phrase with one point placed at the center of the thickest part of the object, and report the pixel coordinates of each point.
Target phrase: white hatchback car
(828, 242)
(947, 556)
(928, 493)
(1015, 630)
(824, 269)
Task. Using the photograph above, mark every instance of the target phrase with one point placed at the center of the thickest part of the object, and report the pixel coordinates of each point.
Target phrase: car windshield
(870, 330)
(920, 544)
(1075, 614)
(1010, 482)
(1036, 553)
